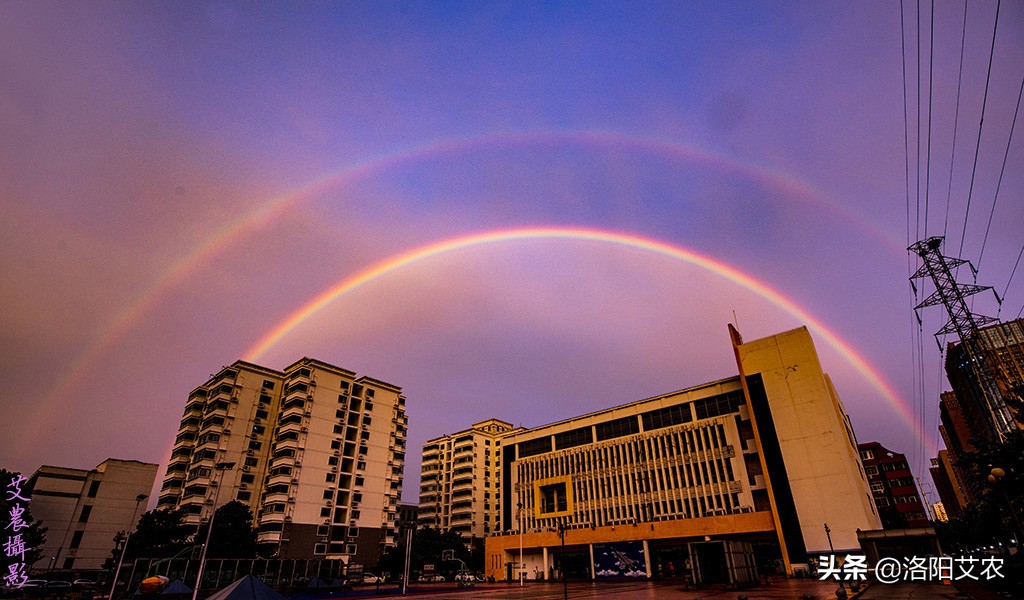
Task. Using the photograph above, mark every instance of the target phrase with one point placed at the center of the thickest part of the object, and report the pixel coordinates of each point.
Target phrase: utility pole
(222, 467)
(124, 549)
(965, 325)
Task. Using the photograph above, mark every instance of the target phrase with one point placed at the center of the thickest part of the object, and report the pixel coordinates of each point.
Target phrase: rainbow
(272, 209)
(411, 257)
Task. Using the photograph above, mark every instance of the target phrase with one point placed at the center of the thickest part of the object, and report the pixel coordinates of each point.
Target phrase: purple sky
(177, 178)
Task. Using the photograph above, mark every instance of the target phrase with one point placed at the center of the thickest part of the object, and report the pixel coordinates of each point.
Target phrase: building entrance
(709, 565)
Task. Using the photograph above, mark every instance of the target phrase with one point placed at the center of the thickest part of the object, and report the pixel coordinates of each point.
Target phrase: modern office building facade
(713, 481)
(316, 452)
(893, 487)
(83, 511)
(459, 480)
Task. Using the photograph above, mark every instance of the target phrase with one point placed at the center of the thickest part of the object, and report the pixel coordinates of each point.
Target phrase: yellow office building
(713, 482)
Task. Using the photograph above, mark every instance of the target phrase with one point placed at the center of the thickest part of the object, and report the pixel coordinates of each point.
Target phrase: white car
(370, 578)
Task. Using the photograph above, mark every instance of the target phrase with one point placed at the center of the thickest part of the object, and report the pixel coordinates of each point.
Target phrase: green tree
(428, 545)
(233, 533)
(32, 532)
(159, 534)
(994, 517)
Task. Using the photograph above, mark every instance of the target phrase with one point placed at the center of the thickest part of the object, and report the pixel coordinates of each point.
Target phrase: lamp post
(221, 466)
(520, 507)
(841, 592)
(124, 548)
(565, 580)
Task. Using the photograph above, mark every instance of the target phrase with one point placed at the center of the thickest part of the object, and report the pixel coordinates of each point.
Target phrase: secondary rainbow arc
(380, 269)
(269, 211)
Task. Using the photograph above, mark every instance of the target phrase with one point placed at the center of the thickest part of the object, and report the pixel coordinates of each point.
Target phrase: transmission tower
(965, 324)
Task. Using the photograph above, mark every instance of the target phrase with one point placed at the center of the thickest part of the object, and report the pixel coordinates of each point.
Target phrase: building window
(244, 496)
(325, 512)
(871, 470)
(93, 488)
(877, 487)
(69, 562)
(319, 548)
(867, 454)
(268, 385)
(331, 477)
(84, 517)
(248, 478)
(76, 540)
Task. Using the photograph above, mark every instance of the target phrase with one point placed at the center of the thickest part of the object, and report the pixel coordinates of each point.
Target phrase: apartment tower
(316, 451)
(459, 480)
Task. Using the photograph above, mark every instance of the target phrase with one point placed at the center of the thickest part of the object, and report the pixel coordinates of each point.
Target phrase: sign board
(447, 555)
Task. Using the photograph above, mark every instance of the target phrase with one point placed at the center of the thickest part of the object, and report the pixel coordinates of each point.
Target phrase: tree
(15, 509)
(428, 544)
(233, 533)
(159, 534)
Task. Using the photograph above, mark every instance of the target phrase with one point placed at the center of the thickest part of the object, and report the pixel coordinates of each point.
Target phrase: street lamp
(221, 466)
(995, 477)
(124, 549)
(520, 507)
(565, 580)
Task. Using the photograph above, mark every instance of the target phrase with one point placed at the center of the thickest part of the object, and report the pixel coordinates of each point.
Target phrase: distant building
(951, 489)
(83, 511)
(407, 517)
(893, 487)
(318, 454)
(459, 480)
(718, 481)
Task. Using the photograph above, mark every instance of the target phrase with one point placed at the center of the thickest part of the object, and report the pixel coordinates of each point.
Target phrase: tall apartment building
(713, 481)
(459, 480)
(990, 416)
(951, 489)
(83, 511)
(893, 487)
(318, 456)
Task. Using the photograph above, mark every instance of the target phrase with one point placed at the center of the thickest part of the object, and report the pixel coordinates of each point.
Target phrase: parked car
(370, 578)
(34, 583)
(58, 585)
(85, 583)
(431, 578)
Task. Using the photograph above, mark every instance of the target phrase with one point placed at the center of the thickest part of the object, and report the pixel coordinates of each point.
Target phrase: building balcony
(268, 537)
(278, 497)
(463, 449)
(280, 479)
(462, 483)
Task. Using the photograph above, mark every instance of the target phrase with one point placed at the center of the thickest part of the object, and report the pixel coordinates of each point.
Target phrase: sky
(557, 207)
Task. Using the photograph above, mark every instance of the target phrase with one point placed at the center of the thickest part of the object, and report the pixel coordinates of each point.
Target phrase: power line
(906, 125)
(1012, 273)
(981, 126)
(956, 119)
(1001, 171)
(928, 161)
(918, 130)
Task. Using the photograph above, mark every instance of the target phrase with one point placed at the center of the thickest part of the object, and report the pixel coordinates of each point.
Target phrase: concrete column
(546, 566)
(647, 558)
(593, 575)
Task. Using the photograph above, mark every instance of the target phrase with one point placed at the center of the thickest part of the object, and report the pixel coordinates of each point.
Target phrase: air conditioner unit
(295, 480)
(308, 413)
(257, 420)
(290, 499)
(227, 432)
(337, 452)
(245, 468)
(298, 463)
(304, 429)
(287, 520)
(330, 503)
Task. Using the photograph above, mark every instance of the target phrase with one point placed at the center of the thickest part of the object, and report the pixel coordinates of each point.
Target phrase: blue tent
(177, 587)
(247, 588)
